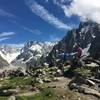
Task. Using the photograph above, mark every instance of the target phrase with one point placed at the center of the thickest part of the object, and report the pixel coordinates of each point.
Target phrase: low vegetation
(44, 84)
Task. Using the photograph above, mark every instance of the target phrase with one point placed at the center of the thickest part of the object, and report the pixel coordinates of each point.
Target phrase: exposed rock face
(95, 47)
(87, 35)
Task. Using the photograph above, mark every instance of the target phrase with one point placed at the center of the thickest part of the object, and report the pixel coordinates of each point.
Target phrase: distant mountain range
(28, 55)
(32, 52)
(35, 53)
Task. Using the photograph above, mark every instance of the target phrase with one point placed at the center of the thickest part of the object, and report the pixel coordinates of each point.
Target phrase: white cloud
(44, 14)
(6, 14)
(6, 34)
(85, 9)
(5, 38)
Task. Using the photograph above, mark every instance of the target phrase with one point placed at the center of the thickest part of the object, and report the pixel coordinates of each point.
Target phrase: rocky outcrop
(84, 89)
(86, 80)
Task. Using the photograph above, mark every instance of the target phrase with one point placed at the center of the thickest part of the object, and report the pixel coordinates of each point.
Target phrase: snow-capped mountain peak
(32, 52)
(36, 47)
(8, 52)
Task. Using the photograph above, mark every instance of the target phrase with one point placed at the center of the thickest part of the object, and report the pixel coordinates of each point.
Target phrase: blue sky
(38, 20)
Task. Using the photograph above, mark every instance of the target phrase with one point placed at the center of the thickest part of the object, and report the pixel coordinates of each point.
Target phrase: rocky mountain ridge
(87, 35)
(35, 53)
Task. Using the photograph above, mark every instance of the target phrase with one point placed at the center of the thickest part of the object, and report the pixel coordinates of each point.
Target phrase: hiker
(77, 60)
(79, 51)
(61, 61)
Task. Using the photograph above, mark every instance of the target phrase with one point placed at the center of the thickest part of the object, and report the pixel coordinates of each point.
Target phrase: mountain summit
(87, 35)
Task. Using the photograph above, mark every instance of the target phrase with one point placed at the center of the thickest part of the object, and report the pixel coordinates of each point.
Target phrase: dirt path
(62, 87)
(62, 83)
(59, 84)
(27, 93)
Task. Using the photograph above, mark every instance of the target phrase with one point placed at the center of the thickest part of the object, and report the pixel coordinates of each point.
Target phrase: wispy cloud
(5, 38)
(28, 29)
(44, 14)
(6, 34)
(33, 31)
(6, 14)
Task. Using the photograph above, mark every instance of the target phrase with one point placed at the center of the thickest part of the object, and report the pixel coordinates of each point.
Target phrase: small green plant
(3, 98)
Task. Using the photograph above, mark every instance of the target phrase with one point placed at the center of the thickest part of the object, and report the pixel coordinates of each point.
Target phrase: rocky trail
(62, 88)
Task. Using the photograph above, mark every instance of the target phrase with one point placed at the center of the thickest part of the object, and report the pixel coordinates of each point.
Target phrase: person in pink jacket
(79, 51)
(77, 60)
